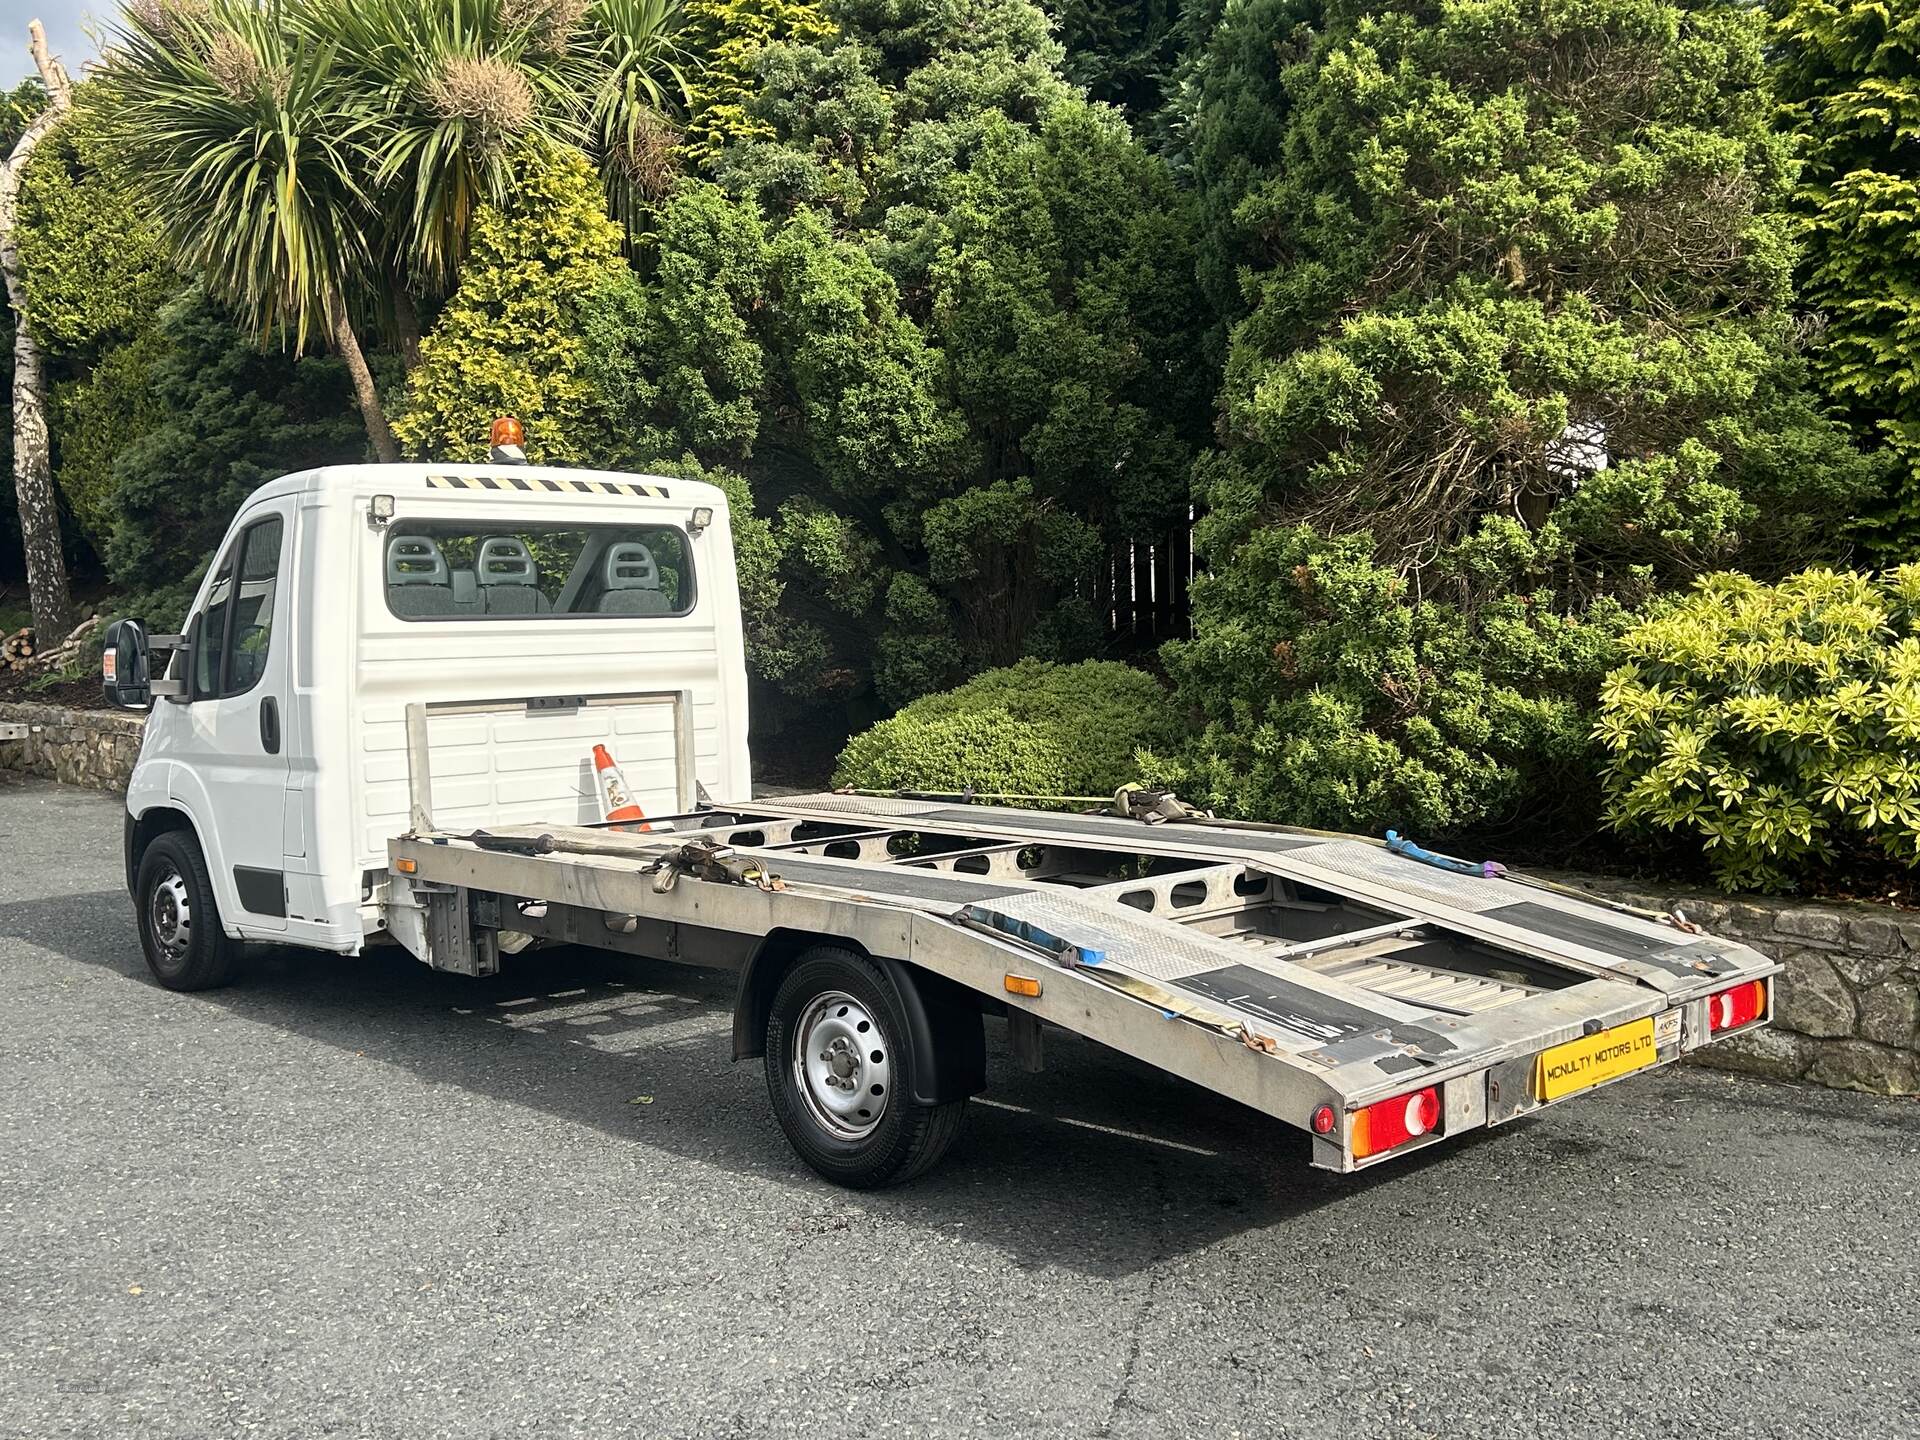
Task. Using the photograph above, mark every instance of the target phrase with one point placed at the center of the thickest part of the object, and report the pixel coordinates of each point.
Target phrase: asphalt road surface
(356, 1198)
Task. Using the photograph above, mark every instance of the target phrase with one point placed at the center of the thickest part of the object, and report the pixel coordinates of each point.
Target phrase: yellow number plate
(1593, 1059)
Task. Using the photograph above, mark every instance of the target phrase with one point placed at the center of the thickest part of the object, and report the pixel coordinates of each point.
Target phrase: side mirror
(123, 666)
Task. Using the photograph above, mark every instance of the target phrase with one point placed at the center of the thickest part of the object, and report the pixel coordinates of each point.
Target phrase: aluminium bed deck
(1283, 968)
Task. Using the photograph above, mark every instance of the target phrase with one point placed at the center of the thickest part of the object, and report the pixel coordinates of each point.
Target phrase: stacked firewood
(17, 649)
(21, 651)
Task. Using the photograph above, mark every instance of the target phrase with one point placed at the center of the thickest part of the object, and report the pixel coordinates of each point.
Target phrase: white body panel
(342, 668)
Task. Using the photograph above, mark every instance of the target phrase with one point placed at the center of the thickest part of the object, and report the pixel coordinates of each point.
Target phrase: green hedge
(1032, 728)
(1330, 694)
(1778, 724)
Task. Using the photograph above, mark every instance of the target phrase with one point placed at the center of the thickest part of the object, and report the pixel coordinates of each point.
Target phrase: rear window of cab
(503, 570)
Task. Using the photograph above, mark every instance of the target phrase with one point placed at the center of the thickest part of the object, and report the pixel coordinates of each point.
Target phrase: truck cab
(537, 613)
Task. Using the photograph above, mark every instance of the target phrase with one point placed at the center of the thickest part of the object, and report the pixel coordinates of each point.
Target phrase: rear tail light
(1394, 1122)
(1739, 1006)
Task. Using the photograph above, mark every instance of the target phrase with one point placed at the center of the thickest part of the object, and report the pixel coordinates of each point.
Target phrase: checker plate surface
(850, 804)
(1160, 950)
(1111, 829)
(1383, 867)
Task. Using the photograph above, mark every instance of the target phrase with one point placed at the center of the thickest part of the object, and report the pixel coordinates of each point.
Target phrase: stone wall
(1847, 1007)
(95, 748)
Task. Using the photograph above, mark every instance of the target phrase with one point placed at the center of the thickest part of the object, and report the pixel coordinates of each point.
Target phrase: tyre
(839, 1056)
(180, 929)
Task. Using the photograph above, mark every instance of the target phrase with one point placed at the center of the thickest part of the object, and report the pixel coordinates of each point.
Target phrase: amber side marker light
(1023, 985)
(406, 867)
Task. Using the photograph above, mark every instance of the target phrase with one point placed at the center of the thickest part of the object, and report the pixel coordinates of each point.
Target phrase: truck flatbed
(1289, 970)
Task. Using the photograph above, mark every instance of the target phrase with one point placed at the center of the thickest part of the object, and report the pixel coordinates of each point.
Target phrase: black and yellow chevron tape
(542, 482)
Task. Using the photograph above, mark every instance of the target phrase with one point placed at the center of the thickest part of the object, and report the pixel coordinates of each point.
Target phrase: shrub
(1332, 697)
(938, 308)
(231, 417)
(94, 419)
(1848, 78)
(1778, 724)
(916, 653)
(509, 341)
(730, 36)
(1032, 728)
(93, 264)
(986, 749)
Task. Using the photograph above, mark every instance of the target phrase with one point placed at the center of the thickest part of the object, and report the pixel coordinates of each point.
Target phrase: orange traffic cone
(615, 802)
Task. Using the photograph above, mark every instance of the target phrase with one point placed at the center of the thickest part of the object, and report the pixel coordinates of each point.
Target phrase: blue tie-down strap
(1061, 951)
(1485, 869)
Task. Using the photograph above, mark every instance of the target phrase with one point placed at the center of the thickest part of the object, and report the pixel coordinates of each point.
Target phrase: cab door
(237, 699)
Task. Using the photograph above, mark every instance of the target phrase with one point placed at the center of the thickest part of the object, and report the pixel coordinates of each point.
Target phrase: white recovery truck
(379, 726)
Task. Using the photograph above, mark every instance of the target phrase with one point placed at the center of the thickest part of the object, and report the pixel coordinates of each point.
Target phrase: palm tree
(629, 52)
(460, 91)
(312, 159)
(235, 131)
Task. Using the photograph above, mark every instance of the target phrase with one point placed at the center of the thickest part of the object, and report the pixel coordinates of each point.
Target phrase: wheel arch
(942, 1015)
(150, 824)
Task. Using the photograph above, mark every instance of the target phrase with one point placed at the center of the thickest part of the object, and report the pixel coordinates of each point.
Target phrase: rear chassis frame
(843, 867)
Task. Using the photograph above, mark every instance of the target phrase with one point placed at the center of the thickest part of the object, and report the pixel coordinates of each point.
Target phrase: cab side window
(210, 638)
(236, 627)
(253, 607)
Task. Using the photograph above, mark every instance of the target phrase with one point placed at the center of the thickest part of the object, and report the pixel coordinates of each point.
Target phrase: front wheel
(180, 930)
(839, 1054)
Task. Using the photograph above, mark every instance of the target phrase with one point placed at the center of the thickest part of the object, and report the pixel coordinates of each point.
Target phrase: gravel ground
(354, 1197)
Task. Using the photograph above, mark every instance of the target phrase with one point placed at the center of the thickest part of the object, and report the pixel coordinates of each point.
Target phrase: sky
(66, 22)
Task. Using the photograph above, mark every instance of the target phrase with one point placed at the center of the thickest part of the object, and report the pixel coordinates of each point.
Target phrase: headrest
(415, 560)
(505, 560)
(629, 566)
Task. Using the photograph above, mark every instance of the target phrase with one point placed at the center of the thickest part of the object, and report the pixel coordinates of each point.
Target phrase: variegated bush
(1778, 723)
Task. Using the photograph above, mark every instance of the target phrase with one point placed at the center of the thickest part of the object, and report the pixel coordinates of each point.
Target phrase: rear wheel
(180, 930)
(839, 1057)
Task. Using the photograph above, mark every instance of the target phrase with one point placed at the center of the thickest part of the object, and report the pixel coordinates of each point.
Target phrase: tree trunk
(33, 483)
(348, 344)
(406, 322)
(32, 447)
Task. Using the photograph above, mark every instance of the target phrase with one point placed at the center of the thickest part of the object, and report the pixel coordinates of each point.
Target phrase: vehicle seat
(508, 577)
(466, 593)
(252, 632)
(632, 581)
(417, 582)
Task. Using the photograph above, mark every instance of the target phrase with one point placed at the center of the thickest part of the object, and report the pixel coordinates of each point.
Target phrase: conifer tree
(1848, 74)
(1510, 296)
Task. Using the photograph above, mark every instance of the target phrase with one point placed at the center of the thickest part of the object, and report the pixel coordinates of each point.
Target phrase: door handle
(270, 725)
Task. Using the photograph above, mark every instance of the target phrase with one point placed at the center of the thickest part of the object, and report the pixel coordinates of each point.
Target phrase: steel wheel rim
(170, 914)
(842, 1065)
